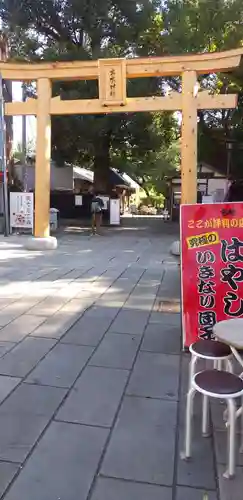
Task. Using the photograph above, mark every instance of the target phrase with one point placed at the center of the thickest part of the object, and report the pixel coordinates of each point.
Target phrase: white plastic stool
(220, 385)
(212, 350)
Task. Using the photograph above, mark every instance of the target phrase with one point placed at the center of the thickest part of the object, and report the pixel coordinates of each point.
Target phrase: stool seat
(219, 382)
(210, 348)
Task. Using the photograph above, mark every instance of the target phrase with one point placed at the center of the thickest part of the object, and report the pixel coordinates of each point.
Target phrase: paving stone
(87, 331)
(171, 319)
(102, 285)
(7, 473)
(95, 397)
(5, 347)
(25, 356)
(76, 273)
(155, 376)
(217, 410)
(23, 417)
(48, 306)
(183, 493)
(101, 312)
(185, 373)
(33, 400)
(155, 277)
(125, 285)
(61, 366)
(143, 303)
(112, 298)
(130, 321)
(53, 275)
(63, 464)
(36, 290)
(7, 384)
(160, 338)
(76, 306)
(142, 443)
(8, 291)
(5, 302)
(16, 309)
(20, 328)
(114, 489)
(220, 442)
(230, 489)
(55, 326)
(86, 286)
(18, 434)
(116, 351)
(74, 290)
(170, 287)
(198, 472)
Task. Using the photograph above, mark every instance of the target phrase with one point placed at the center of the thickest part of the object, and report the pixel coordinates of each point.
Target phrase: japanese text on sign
(214, 223)
(212, 267)
(232, 275)
(112, 78)
(203, 240)
(206, 289)
(21, 210)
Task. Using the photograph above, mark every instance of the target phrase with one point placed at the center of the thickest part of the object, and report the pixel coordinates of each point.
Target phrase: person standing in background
(235, 191)
(97, 206)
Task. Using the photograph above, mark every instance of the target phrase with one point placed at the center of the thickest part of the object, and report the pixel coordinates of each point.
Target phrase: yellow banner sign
(202, 240)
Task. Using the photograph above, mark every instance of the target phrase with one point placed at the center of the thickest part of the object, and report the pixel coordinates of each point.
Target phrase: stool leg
(188, 429)
(241, 427)
(219, 364)
(192, 370)
(231, 438)
(229, 366)
(205, 408)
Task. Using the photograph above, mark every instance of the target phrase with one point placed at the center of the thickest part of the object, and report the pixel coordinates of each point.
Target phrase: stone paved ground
(92, 379)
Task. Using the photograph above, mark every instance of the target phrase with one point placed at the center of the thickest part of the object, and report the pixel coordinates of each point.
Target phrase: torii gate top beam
(135, 68)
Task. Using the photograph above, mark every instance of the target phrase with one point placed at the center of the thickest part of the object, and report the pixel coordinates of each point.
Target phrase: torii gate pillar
(43, 159)
(189, 138)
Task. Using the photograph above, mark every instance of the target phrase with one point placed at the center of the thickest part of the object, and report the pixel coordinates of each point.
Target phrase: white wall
(61, 177)
(215, 184)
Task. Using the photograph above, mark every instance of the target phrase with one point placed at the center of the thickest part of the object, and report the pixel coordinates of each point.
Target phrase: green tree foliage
(145, 145)
(187, 26)
(84, 30)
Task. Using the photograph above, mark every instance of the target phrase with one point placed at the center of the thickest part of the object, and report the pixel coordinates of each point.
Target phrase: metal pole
(24, 140)
(3, 163)
(229, 147)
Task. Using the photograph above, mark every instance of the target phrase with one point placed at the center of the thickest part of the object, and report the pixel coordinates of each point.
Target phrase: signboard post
(211, 267)
(3, 163)
(78, 200)
(114, 212)
(22, 211)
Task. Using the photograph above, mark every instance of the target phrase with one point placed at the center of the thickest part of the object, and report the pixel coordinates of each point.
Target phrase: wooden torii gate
(112, 75)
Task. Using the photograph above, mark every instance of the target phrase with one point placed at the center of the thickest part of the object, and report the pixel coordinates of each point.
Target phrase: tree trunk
(102, 164)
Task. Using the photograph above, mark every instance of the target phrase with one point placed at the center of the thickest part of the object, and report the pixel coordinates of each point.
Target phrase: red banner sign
(211, 267)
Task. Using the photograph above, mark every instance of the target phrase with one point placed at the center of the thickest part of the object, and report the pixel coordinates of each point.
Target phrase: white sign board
(207, 199)
(22, 210)
(78, 200)
(115, 212)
